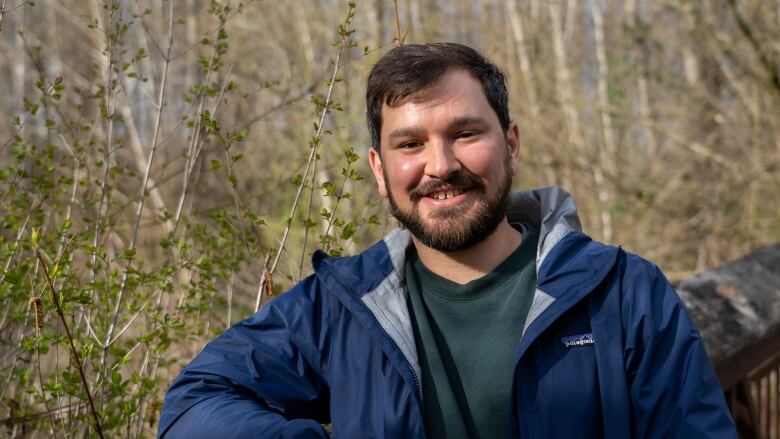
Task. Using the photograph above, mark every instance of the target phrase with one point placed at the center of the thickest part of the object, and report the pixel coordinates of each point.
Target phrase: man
(488, 315)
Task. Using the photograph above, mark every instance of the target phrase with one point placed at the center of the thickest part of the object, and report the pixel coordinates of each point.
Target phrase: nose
(441, 159)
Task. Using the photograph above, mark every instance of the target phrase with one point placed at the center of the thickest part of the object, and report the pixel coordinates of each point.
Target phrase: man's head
(407, 70)
(448, 149)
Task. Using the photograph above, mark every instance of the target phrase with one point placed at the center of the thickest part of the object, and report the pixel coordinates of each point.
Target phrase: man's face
(446, 165)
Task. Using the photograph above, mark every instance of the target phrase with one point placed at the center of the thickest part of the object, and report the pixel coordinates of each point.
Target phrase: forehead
(455, 94)
(452, 81)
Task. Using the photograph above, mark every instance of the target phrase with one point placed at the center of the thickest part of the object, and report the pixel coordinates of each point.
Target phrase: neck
(463, 266)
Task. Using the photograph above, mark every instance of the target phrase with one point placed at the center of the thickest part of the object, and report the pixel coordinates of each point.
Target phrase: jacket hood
(374, 280)
(551, 210)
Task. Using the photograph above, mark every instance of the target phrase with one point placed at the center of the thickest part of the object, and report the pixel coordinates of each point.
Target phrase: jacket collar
(566, 271)
(551, 210)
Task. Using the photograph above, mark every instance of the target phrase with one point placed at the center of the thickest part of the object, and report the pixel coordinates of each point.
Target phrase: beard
(453, 228)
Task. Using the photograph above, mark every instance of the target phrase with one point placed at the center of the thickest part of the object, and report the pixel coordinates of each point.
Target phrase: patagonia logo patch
(573, 341)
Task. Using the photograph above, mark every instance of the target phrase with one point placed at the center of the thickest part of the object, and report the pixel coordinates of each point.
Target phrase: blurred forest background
(167, 166)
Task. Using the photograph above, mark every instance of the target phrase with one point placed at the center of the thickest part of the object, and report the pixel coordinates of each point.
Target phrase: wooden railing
(755, 402)
(737, 309)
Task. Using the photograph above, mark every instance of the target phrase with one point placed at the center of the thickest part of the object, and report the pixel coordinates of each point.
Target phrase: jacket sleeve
(674, 389)
(264, 377)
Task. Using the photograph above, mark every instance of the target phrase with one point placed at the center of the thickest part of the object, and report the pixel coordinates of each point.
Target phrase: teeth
(445, 195)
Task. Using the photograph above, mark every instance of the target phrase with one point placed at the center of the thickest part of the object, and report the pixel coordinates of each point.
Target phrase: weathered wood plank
(737, 309)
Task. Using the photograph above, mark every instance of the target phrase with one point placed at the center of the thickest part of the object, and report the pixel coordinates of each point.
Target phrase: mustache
(460, 180)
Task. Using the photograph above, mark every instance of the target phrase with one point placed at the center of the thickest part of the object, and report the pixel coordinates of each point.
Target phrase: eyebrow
(403, 132)
(467, 120)
(415, 131)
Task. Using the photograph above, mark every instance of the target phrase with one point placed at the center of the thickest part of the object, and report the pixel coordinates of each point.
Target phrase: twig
(212, 31)
(142, 196)
(125, 357)
(106, 161)
(774, 76)
(192, 150)
(195, 149)
(35, 416)
(229, 316)
(264, 280)
(37, 306)
(4, 11)
(399, 40)
(290, 100)
(140, 311)
(338, 199)
(18, 130)
(149, 35)
(343, 42)
(16, 357)
(8, 265)
(27, 117)
(307, 226)
(74, 352)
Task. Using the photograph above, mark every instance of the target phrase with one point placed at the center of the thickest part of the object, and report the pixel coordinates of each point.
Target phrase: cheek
(482, 161)
(405, 173)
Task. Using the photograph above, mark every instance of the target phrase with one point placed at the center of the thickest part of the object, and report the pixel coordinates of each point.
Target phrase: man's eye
(467, 134)
(410, 144)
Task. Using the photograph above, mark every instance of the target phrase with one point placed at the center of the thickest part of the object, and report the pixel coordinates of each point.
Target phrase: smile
(445, 195)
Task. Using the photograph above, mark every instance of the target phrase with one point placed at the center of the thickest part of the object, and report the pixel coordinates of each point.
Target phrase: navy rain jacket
(338, 348)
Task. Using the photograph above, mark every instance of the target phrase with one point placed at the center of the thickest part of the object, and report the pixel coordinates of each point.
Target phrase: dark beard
(452, 231)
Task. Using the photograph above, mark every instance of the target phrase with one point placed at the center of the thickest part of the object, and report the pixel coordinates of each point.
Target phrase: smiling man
(488, 314)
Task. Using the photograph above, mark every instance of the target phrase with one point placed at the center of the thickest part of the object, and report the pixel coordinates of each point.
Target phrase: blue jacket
(338, 348)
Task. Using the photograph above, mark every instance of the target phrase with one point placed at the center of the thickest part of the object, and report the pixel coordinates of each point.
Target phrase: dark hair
(409, 69)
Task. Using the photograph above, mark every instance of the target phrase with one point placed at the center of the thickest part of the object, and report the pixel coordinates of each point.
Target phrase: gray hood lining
(549, 209)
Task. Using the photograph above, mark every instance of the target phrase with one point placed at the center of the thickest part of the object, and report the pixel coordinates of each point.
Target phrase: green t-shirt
(467, 336)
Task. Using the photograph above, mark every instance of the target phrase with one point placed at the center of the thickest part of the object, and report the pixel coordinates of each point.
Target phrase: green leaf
(348, 230)
(330, 188)
(127, 255)
(83, 298)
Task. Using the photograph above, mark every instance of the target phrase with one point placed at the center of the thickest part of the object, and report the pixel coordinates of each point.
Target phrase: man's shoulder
(355, 275)
(359, 273)
(583, 249)
(581, 258)
(644, 289)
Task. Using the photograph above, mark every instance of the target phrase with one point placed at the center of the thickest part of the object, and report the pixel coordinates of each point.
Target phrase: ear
(375, 160)
(513, 143)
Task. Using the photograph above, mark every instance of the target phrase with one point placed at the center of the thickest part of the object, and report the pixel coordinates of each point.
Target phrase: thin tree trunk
(522, 54)
(20, 64)
(416, 29)
(643, 96)
(607, 154)
(565, 92)
(570, 22)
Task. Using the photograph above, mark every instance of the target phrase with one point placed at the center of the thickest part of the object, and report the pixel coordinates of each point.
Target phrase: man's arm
(674, 389)
(263, 377)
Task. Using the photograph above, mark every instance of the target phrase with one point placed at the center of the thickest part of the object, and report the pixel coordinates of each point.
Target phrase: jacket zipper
(417, 386)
